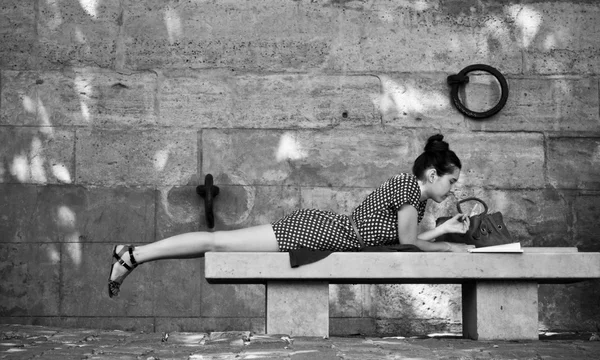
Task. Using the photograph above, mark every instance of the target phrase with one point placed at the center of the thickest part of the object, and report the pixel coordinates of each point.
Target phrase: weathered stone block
(36, 155)
(500, 160)
(30, 280)
(70, 213)
(20, 202)
(18, 34)
(560, 37)
(573, 163)
(85, 268)
(224, 99)
(417, 100)
(140, 157)
(18, 97)
(309, 158)
(77, 34)
(587, 212)
(430, 48)
(562, 61)
(263, 35)
(547, 104)
(178, 287)
(307, 101)
(197, 99)
(96, 97)
(423, 37)
(232, 300)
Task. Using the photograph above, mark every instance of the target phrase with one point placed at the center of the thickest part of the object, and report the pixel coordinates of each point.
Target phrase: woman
(389, 215)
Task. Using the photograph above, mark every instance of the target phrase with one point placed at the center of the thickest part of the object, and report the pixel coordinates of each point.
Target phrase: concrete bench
(499, 291)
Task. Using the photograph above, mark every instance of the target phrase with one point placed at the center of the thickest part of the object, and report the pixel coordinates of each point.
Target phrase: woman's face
(442, 185)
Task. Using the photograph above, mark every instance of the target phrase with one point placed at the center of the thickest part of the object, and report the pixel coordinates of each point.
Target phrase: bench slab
(499, 291)
(545, 265)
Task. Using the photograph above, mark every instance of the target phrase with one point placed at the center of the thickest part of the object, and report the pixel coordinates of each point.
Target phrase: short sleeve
(377, 216)
(405, 189)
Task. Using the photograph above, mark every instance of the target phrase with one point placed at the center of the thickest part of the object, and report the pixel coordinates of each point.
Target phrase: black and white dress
(376, 219)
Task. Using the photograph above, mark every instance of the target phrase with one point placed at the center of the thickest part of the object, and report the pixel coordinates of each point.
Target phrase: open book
(505, 248)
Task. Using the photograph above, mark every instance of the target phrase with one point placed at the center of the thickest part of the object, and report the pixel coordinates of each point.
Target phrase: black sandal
(113, 285)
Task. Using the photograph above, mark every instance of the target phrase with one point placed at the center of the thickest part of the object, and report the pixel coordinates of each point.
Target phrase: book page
(505, 248)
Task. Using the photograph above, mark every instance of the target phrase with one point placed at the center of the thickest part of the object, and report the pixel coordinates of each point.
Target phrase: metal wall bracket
(208, 191)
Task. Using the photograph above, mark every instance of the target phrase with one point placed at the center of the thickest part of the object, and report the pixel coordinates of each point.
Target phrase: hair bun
(437, 143)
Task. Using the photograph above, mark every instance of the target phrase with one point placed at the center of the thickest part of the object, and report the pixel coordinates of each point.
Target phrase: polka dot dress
(315, 229)
(376, 219)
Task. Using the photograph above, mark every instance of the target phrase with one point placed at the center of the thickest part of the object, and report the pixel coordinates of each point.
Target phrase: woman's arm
(457, 224)
(432, 234)
(408, 229)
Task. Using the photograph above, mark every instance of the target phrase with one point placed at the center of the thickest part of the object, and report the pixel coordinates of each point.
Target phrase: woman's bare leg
(195, 244)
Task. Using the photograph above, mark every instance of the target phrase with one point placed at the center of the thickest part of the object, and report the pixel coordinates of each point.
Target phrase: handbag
(484, 230)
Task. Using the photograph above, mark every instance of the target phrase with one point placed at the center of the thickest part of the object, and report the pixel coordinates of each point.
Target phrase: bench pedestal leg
(298, 309)
(500, 310)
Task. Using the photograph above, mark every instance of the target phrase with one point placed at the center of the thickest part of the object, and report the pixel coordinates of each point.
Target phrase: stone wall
(112, 111)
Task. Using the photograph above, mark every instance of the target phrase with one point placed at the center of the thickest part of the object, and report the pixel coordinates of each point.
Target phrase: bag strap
(485, 207)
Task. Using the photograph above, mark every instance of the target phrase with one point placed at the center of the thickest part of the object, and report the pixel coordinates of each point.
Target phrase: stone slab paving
(42, 342)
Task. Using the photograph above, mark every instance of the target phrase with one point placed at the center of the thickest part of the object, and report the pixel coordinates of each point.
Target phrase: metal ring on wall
(461, 78)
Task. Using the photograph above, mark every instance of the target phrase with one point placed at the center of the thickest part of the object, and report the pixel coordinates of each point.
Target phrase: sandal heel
(114, 286)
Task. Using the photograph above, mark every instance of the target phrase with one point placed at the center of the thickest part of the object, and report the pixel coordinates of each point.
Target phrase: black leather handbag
(484, 230)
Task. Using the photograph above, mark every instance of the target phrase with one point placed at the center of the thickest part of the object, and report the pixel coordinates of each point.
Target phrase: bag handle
(485, 207)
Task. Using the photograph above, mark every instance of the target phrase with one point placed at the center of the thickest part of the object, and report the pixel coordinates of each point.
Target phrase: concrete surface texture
(44, 342)
(112, 111)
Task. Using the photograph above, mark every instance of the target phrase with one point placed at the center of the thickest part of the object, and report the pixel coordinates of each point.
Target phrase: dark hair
(437, 155)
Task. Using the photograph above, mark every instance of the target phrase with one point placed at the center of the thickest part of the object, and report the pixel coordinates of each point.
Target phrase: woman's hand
(459, 223)
(453, 247)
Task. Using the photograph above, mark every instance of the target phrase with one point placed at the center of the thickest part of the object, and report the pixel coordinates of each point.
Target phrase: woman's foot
(123, 266)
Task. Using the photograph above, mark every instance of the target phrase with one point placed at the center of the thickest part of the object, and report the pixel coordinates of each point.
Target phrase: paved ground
(38, 342)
